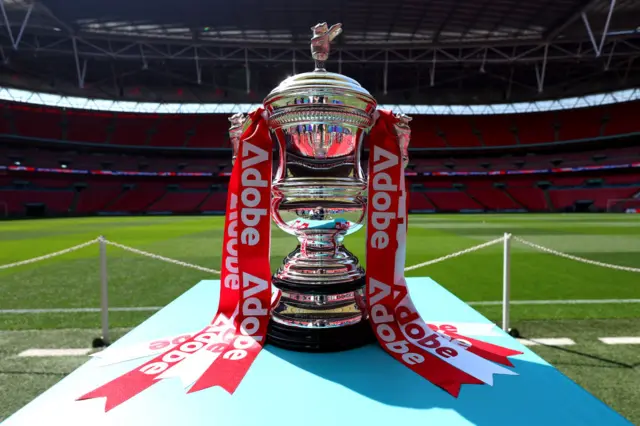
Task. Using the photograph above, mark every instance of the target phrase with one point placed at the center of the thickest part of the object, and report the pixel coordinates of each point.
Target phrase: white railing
(506, 268)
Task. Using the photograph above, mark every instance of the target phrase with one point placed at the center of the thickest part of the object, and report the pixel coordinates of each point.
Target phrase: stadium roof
(403, 51)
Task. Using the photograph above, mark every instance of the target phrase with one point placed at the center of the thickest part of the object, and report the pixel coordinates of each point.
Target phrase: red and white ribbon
(222, 353)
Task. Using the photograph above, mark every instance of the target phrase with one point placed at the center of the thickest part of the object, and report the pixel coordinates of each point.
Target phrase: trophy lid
(331, 90)
(320, 82)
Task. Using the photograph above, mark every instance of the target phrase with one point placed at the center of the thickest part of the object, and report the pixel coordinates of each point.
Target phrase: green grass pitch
(72, 281)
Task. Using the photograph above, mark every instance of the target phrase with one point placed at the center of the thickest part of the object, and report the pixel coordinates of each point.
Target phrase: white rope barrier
(408, 268)
(456, 254)
(576, 258)
(506, 267)
(164, 259)
(50, 255)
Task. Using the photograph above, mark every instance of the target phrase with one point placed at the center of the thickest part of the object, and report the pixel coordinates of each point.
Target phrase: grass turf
(72, 281)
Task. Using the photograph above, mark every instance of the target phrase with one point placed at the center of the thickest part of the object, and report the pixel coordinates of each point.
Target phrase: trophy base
(320, 339)
(320, 317)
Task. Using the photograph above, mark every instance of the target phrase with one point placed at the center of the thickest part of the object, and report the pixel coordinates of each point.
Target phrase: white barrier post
(506, 281)
(104, 292)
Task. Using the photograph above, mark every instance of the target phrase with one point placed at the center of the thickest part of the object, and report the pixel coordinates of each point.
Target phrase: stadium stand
(215, 202)
(164, 143)
(29, 202)
(209, 131)
(564, 199)
(90, 127)
(179, 202)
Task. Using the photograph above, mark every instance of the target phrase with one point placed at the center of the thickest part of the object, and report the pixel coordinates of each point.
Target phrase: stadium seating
(494, 199)
(457, 131)
(115, 194)
(623, 118)
(210, 131)
(89, 126)
(137, 199)
(535, 127)
(495, 130)
(172, 130)
(179, 202)
(533, 199)
(96, 197)
(97, 134)
(454, 200)
(566, 198)
(418, 201)
(55, 202)
(38, 122)
(217, 201)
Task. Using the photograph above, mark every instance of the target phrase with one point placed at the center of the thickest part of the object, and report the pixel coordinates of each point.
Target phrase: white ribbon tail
(192, 368)
(472, 364)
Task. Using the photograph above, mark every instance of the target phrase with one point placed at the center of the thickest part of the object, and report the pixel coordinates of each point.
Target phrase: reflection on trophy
(318, 121)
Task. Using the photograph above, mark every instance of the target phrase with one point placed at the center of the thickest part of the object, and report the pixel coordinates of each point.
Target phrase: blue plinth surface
(364, 386)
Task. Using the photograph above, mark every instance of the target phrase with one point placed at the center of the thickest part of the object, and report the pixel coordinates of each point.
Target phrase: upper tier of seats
(207, 162)
(210, 130)
(58, 195)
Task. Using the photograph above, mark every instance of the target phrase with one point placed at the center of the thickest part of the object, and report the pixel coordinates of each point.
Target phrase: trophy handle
(236, 129)
(403, 134)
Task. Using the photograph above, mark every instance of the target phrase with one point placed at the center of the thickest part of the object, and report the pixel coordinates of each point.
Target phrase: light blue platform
(359, 387)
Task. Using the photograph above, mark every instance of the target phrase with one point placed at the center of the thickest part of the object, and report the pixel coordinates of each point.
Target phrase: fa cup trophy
(319, 120)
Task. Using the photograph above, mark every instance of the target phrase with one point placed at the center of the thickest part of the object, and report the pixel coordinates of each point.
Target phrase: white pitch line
(556, 302)
(620, 340)
(79, 310)
(54, 352)
(549, 341)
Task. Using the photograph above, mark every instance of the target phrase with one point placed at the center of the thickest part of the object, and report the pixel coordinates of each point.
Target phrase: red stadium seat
(137, 200)
(452, 201)
(45, 123)
(583, 123)
(132, 129)
(495, 130)
(57, 202)
(424, 132)
(95, 198)
(217, 201)
(172, 130)
(211, 132)
(494, 199)
(458, 131)
(531, 198)
(564, 198)
(85, 126)
(179, 202)
(535, 127)
(418, 201)
(623, 119)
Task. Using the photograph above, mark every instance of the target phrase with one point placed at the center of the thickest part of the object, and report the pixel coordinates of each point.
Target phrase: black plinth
(321, 339)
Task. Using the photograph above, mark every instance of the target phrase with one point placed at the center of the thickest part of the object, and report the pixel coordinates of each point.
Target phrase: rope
(50, 255)
(164, 259)
(408, 268)
(576, 258)
(456, 254)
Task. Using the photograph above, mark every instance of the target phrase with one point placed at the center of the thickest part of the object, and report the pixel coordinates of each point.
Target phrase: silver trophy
(318, 120)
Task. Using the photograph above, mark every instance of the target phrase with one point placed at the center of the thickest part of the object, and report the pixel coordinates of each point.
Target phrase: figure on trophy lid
(321, 42)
